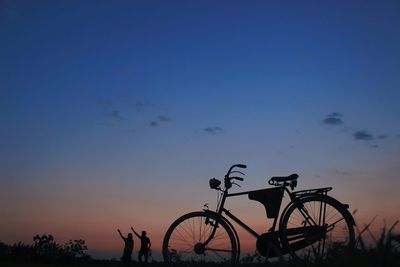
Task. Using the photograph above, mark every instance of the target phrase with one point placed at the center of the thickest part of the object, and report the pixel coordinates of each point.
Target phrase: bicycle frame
(299, 229)
(294, 197)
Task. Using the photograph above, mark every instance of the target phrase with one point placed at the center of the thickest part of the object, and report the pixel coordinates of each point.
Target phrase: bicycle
(309, 225)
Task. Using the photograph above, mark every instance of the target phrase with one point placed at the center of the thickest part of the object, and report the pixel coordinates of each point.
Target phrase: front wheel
(185, 240)
(316, 226)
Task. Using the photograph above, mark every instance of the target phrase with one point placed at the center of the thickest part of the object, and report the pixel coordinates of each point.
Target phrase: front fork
(214, 224)
(216, 220)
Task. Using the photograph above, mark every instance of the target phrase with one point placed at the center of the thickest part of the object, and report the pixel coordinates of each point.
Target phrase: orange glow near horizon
(103, 240)
(98, 224)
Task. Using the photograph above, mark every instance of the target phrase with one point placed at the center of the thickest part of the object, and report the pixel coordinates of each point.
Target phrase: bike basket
(271, 198)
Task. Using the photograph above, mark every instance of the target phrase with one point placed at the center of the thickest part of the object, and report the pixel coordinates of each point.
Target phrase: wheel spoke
(185, 238)
(304, 239)
(221, 250)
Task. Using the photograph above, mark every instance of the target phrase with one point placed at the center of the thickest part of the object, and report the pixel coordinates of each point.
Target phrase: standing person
(127, 254)
(145, 246)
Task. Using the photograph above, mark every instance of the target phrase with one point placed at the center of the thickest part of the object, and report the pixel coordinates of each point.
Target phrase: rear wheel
(316, 226)
(185, 240)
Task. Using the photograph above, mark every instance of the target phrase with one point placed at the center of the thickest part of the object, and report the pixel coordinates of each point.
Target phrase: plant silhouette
(45, 250)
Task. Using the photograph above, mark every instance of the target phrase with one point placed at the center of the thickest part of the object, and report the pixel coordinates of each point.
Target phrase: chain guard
(268, 245)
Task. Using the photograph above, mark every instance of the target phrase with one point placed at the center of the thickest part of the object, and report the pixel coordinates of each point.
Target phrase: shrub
(45, 250)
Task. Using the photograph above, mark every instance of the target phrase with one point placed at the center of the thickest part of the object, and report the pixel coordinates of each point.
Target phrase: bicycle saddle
(291, 177)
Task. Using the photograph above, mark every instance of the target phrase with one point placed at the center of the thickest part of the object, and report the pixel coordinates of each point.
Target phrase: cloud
(117, 115)
(142, 106)
(214, 130)
(164, 118)
(382, 136)
(363, 135)
(333, 119)
(110, 110)
(335, 114)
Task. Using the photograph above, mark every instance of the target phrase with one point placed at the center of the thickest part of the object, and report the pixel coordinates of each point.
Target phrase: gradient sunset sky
(116, 113)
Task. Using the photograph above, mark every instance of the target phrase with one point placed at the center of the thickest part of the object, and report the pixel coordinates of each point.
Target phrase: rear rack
(321, 191)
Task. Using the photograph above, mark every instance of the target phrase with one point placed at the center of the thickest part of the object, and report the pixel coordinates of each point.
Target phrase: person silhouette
(145, 246)
(128, 249)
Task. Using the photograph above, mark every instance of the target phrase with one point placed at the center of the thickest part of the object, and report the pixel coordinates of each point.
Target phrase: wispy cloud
(363, 135)
(214, 130)
(125, 115)
(116, 114)
(160, 119)
(334, 118)
(111, 111)
(142, 106)
(164, 118)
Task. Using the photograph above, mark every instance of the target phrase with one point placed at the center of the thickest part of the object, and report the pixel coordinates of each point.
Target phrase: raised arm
(135, 232)
(121, 235)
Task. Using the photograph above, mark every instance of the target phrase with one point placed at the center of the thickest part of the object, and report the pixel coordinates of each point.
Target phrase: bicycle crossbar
(242, 224)
(238, 194)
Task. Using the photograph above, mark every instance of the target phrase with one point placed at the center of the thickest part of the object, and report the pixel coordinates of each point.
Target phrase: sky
(116, 114)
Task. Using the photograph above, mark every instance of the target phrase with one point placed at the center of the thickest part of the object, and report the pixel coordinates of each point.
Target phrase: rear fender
(345, 206)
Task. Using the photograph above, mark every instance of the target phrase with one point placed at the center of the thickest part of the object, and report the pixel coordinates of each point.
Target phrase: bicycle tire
(330, 230)
(184, 238)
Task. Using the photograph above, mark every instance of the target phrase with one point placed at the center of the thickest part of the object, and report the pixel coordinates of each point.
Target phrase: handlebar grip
(241, 166)
(238, 178)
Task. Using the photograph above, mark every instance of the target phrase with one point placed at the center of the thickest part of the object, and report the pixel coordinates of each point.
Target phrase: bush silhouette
(45, 250)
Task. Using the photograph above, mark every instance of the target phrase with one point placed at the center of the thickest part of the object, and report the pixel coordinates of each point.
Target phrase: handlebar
(228, 183)
(243, 166)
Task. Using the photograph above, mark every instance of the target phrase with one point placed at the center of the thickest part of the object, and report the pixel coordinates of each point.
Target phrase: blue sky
(99, 97)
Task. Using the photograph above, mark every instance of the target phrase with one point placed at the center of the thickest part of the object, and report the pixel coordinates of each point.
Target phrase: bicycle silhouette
(309, 225)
